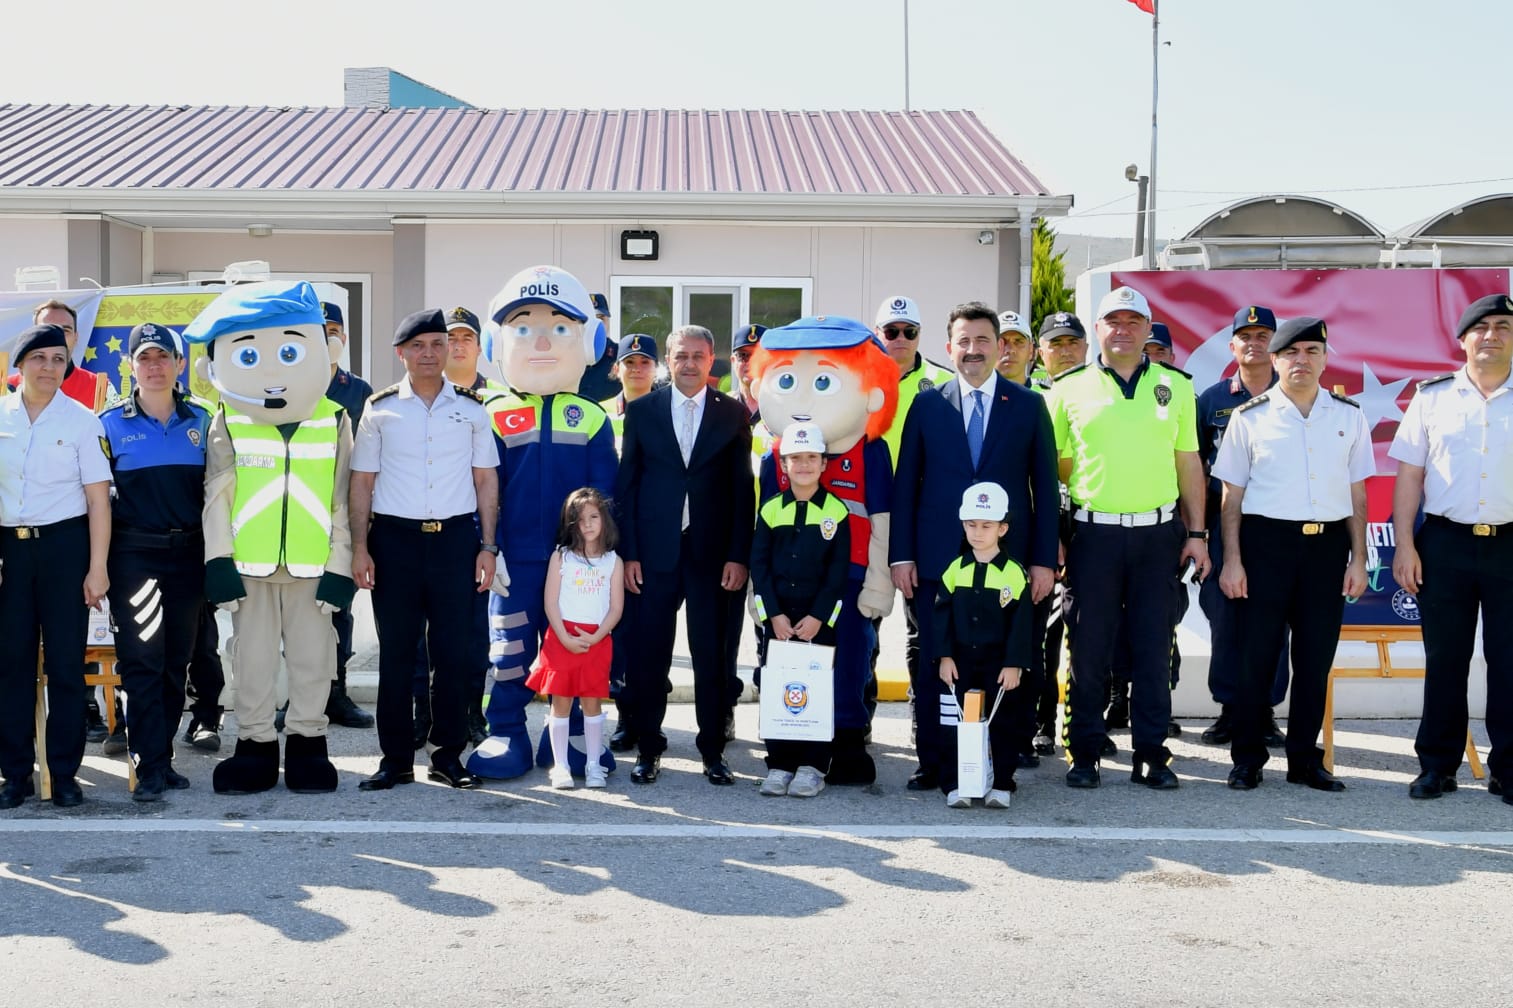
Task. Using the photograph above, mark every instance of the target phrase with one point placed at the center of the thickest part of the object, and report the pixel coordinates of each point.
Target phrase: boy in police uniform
(278, 548)
(982, 628)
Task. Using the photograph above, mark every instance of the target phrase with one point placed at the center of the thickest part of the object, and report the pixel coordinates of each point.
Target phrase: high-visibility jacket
(285, 492)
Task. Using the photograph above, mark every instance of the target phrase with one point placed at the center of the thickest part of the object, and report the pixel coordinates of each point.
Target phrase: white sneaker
(776, 783)
(807, 783)
(955, 800)
(997, 798)
(595, 776)
(561, 778)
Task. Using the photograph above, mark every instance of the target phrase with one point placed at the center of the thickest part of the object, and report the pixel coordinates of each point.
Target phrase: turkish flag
(1149, 6)
(515, 421)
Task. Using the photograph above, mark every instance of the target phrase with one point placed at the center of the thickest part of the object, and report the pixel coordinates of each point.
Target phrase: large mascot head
(266, 350)
(830, 371)
(541, 333)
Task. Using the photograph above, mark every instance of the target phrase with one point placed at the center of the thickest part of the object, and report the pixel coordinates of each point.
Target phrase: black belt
(1478, 529)
(169, 539)
(38, 531)
(1307, 528)
(424, 524)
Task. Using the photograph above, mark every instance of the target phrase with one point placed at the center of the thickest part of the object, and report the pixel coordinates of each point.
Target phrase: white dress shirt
(45, 464)
(989, 385)
(424, 455)
(1465, 445)
(1296, 468)
(679, 413)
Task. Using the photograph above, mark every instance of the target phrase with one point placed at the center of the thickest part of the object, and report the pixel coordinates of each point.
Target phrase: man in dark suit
(976, 428)
(686, 511)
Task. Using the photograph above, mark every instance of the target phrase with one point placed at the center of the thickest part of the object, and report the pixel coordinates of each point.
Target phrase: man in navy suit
(976, 428)
(686, 510)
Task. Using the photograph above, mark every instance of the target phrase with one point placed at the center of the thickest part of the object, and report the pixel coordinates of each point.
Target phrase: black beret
(1492, 304)
(1297, 330)
(38, 337)
(430, 320)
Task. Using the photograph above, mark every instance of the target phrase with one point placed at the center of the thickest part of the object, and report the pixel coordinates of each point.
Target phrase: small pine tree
(1048, 290)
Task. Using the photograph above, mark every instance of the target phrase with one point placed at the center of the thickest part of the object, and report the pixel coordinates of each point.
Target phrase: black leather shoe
(1245, 777)
(478, 727)
(1083, 775)
(1156, 776)
(1028, 761)
(646, 770)
(1117, 715)
(175, 780)
(422, 732)
(386, 779)
(622, 739)
(1275, 737)
(150, 787)
(1315, 777)
(1044, 744)
(453, 774)
(14, 792)
(923, 780)
(94, 725)
(718, 772)
(67, 793)
(1495, 788)
(1218, 733)
(1108, 749)
(1173, 730)
(1431, 784)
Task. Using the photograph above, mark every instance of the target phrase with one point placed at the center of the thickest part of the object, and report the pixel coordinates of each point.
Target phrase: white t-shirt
(585, 592)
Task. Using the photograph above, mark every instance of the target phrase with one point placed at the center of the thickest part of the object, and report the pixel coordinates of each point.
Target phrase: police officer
(598, 380)
(422, 468)
(1127, 435)
(156, 442)
(1253, 327)
(743, 343)
(1454, 450)
(1294, 464)
(351, 393)
(464, 349)
(1016, 354)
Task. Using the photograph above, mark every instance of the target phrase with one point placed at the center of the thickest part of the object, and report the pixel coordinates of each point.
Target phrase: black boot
(307, 767)
(850, 763)
(340, 710)
(253, 768)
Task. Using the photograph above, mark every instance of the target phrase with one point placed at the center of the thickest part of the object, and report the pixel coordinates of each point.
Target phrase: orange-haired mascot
(832, 371)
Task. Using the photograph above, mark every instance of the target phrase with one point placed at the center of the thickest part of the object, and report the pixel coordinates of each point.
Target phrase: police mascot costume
(833, 371)
(278, 547)
(541, 335)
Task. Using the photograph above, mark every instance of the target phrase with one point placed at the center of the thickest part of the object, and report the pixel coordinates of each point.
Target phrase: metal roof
(185, 149)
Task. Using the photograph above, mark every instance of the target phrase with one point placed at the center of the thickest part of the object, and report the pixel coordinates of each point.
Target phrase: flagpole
(906, 55)
(1150, 206)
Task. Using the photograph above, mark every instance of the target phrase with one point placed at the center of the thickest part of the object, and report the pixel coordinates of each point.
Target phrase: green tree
(1048, 290)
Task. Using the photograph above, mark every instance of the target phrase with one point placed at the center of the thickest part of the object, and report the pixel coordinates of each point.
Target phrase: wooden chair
(1383, 637)
(108, 679)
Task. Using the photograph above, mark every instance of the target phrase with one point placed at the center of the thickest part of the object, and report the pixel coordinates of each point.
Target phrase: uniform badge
(573, 415)
(796, 697)
(1163, 395)
(845, 465)
(1005, 596)
(194, 436)
(104, 446)
(1126, 294)
(1252, 316)
(898, 304)
(827, 529)
(926, 384)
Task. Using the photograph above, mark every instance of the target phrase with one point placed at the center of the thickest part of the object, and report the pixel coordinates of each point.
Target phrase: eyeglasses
(901, 332)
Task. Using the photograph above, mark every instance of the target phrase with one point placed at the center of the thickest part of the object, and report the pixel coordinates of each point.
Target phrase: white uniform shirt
(1465, 445)
(1296, 468)
(424, 456)
(44, 465)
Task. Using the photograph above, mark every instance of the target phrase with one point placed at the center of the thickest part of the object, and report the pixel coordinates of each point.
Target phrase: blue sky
(1375, 104)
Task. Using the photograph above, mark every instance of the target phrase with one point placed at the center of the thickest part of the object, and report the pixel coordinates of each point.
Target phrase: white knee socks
(556, 728)
(593, 738)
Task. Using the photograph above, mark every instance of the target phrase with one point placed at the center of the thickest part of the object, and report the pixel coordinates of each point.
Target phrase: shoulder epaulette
(1436, 380)
(1342, 397)
(1258, 400)
(461, 390)
(1069, 372)
(392, 390)
(1173, 367)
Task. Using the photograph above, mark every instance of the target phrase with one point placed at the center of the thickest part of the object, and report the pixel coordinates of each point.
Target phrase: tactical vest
(285, 491)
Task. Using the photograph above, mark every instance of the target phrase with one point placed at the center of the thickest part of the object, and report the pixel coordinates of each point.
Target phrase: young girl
(584, 596)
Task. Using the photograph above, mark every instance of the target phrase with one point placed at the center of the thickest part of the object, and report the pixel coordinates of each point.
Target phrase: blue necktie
(974, 429)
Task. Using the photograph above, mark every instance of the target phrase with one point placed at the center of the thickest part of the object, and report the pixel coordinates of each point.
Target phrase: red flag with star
(1149, 6)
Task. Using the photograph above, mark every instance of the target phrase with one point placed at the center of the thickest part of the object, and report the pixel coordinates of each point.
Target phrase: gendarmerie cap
(1255, 315)
(38, 337)
(1160, 335)
(1492, 304)
(1298, 330)
(747, 336)
(332, 312)
(430, 320)
(601, 304)
(637, 345)
(461, 318)
(150, 334)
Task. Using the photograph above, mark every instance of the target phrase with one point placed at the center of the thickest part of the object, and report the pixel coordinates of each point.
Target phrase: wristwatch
(488, 548)
(1199, 534)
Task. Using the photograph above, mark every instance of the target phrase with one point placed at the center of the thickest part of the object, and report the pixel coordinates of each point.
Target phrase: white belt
(1137, 519)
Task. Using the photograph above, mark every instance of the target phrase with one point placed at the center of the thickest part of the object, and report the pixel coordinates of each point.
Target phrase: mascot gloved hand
(541, 335)
(278, 547)
(833, 372)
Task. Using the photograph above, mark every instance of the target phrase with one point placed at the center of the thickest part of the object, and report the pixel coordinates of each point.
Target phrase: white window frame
(743, 284)
(366, 279)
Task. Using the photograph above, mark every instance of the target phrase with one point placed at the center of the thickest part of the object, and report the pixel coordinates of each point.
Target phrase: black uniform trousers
(924, 676)
(207, 677)
(42, 589)
(790, 754)
(1116, 573)
(1465, 575)
(1049, 632)
(1224, 641)
(978, 668)
(1293, 581)
(695, 587)
(423, 586)
(1032, 684)
(157, 593)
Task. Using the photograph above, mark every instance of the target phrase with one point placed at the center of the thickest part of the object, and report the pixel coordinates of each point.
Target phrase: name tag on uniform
(256, 462)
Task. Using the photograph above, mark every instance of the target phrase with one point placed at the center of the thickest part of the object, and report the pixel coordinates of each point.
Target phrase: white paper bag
(101, 633)
(974, 759)
(798, 692)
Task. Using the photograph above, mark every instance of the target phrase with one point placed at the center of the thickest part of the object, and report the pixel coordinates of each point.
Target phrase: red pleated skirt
(559, 672)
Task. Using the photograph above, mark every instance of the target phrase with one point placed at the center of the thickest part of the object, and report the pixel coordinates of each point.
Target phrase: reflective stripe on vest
(1008, 578)
(285, 491)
